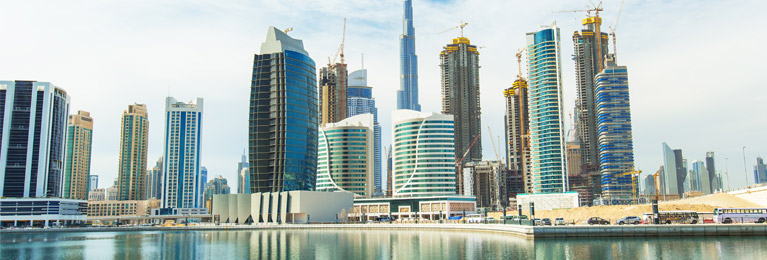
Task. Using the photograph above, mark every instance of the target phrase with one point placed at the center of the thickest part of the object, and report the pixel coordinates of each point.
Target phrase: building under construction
(517, 126)
(333, 83)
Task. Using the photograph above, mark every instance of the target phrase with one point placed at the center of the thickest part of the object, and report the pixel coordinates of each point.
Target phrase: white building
(281, 207)
(181, 166)
(346, 157)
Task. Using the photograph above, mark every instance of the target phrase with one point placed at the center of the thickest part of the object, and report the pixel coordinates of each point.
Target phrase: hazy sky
(693, 65)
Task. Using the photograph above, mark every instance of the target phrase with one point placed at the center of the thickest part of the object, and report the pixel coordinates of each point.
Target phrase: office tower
(715, 184)
(488, 183)
(154, 178)
(333, 84)
(648, 183)
(459, 64)
(346, 158)
(359, 100)
(282, 133)
(217, 185)
(243, 178)
(590, 49)
(77, 165)
(760, 171)
(133, 147)
(615, 140)
(407, 95)
(202, 181)
(674, 171)
(517, 126)
(182, 181)
(424, 155)
(701, 180)
(547, 147)
(34, 126)
(93, 182)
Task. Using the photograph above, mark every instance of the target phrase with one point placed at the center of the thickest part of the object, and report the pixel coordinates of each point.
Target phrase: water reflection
(368, 244)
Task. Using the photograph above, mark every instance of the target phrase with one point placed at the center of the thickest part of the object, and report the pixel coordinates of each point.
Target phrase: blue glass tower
(284, 116)
(407, 95)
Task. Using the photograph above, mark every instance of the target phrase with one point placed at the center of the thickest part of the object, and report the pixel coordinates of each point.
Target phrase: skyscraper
(424, 155)
(131, 181)
(700, 177)
(333, 84)
(459, 64)
(760, 171)
(407, 95)
(77, 165)
(674, 171)
(359, 100)
(282, 133)
(217, 185)
(715, 184)
(34, 126)
(590, 49)
(615, 139)
(203, 179)
(154, 178)
(547, 147)
(243, 178)
(517, 126)
(182, 181)
(93, 182)
(346, 157)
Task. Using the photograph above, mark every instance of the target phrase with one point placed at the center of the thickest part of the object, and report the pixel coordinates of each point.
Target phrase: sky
(694, 66)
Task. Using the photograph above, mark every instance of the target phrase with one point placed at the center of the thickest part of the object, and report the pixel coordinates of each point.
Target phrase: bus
(475, 218)
(673, 217)
(740, 215)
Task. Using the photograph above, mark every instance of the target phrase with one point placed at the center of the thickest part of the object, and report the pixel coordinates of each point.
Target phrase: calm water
(319, 244)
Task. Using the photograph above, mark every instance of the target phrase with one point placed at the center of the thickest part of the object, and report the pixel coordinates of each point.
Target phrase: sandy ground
(699, 204)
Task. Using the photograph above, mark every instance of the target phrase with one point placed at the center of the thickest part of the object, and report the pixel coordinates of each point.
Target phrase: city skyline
(654, 116)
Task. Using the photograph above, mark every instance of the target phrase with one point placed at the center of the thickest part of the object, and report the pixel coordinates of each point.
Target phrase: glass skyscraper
(283, 116)
(547, 149)
(407, 95)
(183, 180)
(360, 101)
(32, 141)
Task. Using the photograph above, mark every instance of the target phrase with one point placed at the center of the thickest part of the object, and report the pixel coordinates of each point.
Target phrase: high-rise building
(282, 133)
(700, 179)
(547, 146)
(346, 158)
(77, 164)
(488, 184)
(333, 85)
(154, 178)
(182, 181)
(113, 193)
(407, 95)
(590, 49)
(760, 171)
(217, 185)
(648, 185)
(459, 64)
(202, 181)
(93, 182)
(517, 126)
(715, 184)
(131, 180)
(674, 171)
(97, 195)
(243, 178)
(424, 154)
(359, 100)
(34, 126)
(615, 139)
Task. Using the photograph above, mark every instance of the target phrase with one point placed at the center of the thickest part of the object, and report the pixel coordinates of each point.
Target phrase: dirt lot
(612, 213)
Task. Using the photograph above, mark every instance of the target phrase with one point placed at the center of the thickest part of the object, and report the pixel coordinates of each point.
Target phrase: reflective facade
(424, 154)
(243, 178)
(346, 158)
(183, 176)
(32, 141)
(616, 142)
(359, 100)
(547, 147)
(283, 117)
(77, 165)
(154, 179)
(131, 181)
(407, 95)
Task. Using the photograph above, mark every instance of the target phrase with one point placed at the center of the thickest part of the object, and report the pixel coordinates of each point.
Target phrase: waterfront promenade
(529, 232)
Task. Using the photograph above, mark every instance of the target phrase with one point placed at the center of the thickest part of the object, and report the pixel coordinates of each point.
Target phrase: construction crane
(519, 62)
(655, 178)
(458, 162)
(460, 26)
(340, 51)
(633, 175)
(597, 33)
(288, 30)
(495, 149)
(615, 26)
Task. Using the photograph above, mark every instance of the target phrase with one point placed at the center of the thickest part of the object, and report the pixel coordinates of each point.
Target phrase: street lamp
(745, 171)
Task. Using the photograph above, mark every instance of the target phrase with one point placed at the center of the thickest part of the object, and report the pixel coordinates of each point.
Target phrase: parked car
(559, 222)
(490, 220)
(546, 222)
(597, 221)
(629, 220)
(537, 222)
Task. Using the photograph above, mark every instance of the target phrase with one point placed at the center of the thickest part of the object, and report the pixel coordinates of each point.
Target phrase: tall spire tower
(407, 95)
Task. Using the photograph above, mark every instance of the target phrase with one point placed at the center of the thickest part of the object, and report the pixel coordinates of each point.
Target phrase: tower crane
(597, 33)
(288, 30)
(340, 51)
(460, 26)
(519, 61)
(615, 26)
(633, 173)
(495, 149)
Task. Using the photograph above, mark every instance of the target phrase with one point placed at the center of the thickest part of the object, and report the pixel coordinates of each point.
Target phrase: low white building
(548, 201)
(41, 212)
(281, 207)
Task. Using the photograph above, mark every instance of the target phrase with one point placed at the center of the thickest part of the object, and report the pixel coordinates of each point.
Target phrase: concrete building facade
(77, 165)
(182, 178)
(489, 184)
(283, 124)
(517, 128)
(281, 207)
(131, 179)
(97, 195)
(346, 159)
(41, 212)
(32, 148)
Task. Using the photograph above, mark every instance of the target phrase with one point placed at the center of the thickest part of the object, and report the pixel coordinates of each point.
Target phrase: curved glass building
(346, 159)
(424, 154)
(283, 116)
(547, 150)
